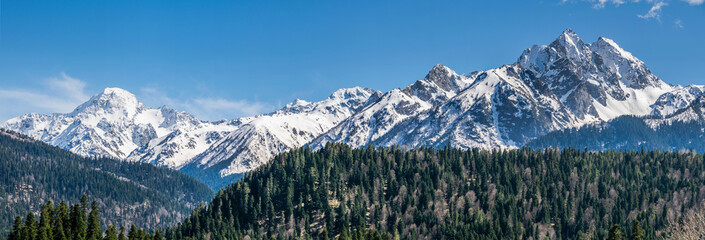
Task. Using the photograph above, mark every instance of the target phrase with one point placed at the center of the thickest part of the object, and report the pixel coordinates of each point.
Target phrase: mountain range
(564, 85)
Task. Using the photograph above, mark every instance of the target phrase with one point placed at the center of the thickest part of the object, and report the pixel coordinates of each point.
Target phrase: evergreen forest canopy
(61, 222)
(32, 172)
(628, 133)
(455, 194)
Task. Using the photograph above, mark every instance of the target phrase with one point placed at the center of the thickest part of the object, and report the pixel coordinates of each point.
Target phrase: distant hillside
(628, 133)
(453, 194)
(32, 172)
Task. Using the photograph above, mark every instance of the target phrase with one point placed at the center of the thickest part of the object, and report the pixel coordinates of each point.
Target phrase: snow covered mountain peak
(440, 84)
(112, 101)
(571, 45)
(443, 77)
(115, 124)
(628, 69)
(255, 142)
(354, 92)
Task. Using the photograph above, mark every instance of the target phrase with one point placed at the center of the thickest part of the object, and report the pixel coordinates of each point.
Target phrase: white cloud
(678, 23)
(694, 2)
(655, 11)
(70, 86)
(55, 95)
(206, 108)
(601, 3)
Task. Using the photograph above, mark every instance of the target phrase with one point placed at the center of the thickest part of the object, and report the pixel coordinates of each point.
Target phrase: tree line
(64, 222)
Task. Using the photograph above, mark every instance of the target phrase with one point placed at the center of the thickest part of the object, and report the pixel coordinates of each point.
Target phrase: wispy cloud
(678, 23)
(206, 108)
(55, 95)
(694, 2)
(654, 12)
(601, 3)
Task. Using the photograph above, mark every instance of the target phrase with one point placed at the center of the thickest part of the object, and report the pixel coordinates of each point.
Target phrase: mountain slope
(498, 110)
(681, 130)
(32, 172)
(565, 84)
(449, 193)
(364, 127)
(256, 142)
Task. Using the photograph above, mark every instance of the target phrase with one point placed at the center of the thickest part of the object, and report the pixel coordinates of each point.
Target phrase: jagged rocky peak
(629, 69)
(440, 84)
(443, 77)
(570, 44)
(112, 101)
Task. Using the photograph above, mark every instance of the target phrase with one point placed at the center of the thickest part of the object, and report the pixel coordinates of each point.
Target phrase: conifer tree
(94, 231)
(615, 233)
(78, 223)
(62, 215)
(29, 231)
(16, 229)
(111, 233)
(157, 235)
(121, 236)
(133, 234)
(59, 230)
(45, 219)
(637, 231)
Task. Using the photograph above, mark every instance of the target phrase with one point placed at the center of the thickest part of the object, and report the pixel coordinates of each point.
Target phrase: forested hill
(628, 133)
(453, 194)
(32, 172)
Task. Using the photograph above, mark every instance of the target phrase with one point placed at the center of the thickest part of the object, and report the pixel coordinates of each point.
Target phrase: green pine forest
(61, 222)
(628, 133)
(448, 193)
(340, 192)
(33, 172)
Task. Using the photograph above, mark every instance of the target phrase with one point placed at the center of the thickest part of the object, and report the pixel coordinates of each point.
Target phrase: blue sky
(225, 59)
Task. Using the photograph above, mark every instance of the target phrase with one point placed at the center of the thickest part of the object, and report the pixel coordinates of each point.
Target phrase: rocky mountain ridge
(566, 84)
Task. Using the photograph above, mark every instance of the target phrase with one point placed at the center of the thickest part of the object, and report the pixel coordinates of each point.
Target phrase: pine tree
(122, 234)
(78, 223)
(29, 231)
(45, 219)
(16, 229)
(62, 216)
(133, 234)
(637, 231)
(94, 231)
(615, 233)
(111, 233)
(59, 230)
(157, 235)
